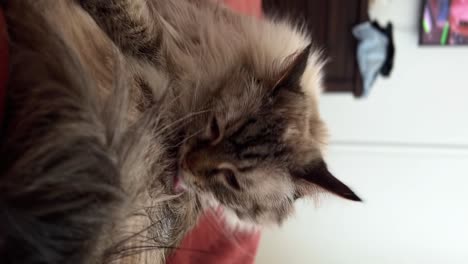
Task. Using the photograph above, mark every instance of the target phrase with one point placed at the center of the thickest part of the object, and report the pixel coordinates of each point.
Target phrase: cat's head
(260, 146)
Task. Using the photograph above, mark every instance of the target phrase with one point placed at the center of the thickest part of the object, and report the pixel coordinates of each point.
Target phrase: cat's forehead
(240, 97)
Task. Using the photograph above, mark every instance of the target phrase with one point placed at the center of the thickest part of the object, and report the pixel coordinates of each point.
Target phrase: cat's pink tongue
(179, 186)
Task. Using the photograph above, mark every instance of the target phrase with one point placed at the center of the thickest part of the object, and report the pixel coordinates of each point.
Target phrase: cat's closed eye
(228, 176)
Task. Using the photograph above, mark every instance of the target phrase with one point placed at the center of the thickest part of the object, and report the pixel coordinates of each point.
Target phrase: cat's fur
(84, 174)
(260, 145)
(242, 105)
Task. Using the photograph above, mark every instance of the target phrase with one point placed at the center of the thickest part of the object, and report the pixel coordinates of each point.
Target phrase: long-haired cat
(259, 146)
(93, 159)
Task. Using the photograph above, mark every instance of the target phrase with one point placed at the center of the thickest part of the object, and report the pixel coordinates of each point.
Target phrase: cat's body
(84, 173)
(219, 109)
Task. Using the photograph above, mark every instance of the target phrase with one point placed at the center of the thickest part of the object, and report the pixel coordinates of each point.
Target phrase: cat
(243, 104)
(260, 145)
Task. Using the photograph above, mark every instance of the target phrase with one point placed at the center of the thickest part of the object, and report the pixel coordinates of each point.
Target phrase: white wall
(405, 151)
(415, 211)
(425, 100)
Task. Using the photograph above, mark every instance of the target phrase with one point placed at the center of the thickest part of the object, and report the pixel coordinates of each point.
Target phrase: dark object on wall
(330, 22)
(388, 65)
(444, 23)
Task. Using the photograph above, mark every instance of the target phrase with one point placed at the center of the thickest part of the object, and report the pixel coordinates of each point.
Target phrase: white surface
(405, 151)
(414, 212)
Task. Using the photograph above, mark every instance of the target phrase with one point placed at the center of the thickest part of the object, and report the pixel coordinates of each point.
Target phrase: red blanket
(250, 7)
(210, 242)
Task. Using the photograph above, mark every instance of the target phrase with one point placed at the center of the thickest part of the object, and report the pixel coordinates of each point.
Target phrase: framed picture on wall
(444, 23)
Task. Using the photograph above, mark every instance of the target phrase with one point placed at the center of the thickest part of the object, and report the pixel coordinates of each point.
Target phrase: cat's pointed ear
(319, 175)
(293, 71)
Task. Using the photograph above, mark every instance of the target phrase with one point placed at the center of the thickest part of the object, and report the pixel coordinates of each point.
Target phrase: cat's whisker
(195, 94)
(115, 248)
(187, 138)
(167, 104)
(180, 121)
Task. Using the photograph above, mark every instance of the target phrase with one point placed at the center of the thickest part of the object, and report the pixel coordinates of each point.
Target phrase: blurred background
(402, 145)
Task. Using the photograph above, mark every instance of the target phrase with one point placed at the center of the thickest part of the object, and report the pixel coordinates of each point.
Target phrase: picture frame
(444, 23)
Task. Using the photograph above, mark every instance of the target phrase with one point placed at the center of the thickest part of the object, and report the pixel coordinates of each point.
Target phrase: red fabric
(3, 63)
(212, 243)
(249, 7)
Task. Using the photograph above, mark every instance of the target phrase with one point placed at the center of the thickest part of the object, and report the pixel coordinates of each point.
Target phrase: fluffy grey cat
(259, 145)
(128, 118)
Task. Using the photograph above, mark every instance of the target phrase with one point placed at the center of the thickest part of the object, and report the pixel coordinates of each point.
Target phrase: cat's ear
(318, 174)
(293, 70)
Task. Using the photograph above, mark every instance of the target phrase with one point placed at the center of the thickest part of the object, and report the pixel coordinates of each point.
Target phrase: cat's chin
(227, 216)
(235, 224)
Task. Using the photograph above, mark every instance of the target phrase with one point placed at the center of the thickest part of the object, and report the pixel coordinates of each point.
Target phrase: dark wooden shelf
(330, 23)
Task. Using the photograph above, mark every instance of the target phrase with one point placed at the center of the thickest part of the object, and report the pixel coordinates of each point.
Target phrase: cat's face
(258, 149)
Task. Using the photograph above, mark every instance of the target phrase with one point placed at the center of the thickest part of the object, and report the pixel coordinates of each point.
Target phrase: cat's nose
(193, 163)
(198, 163)
(190, 161)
